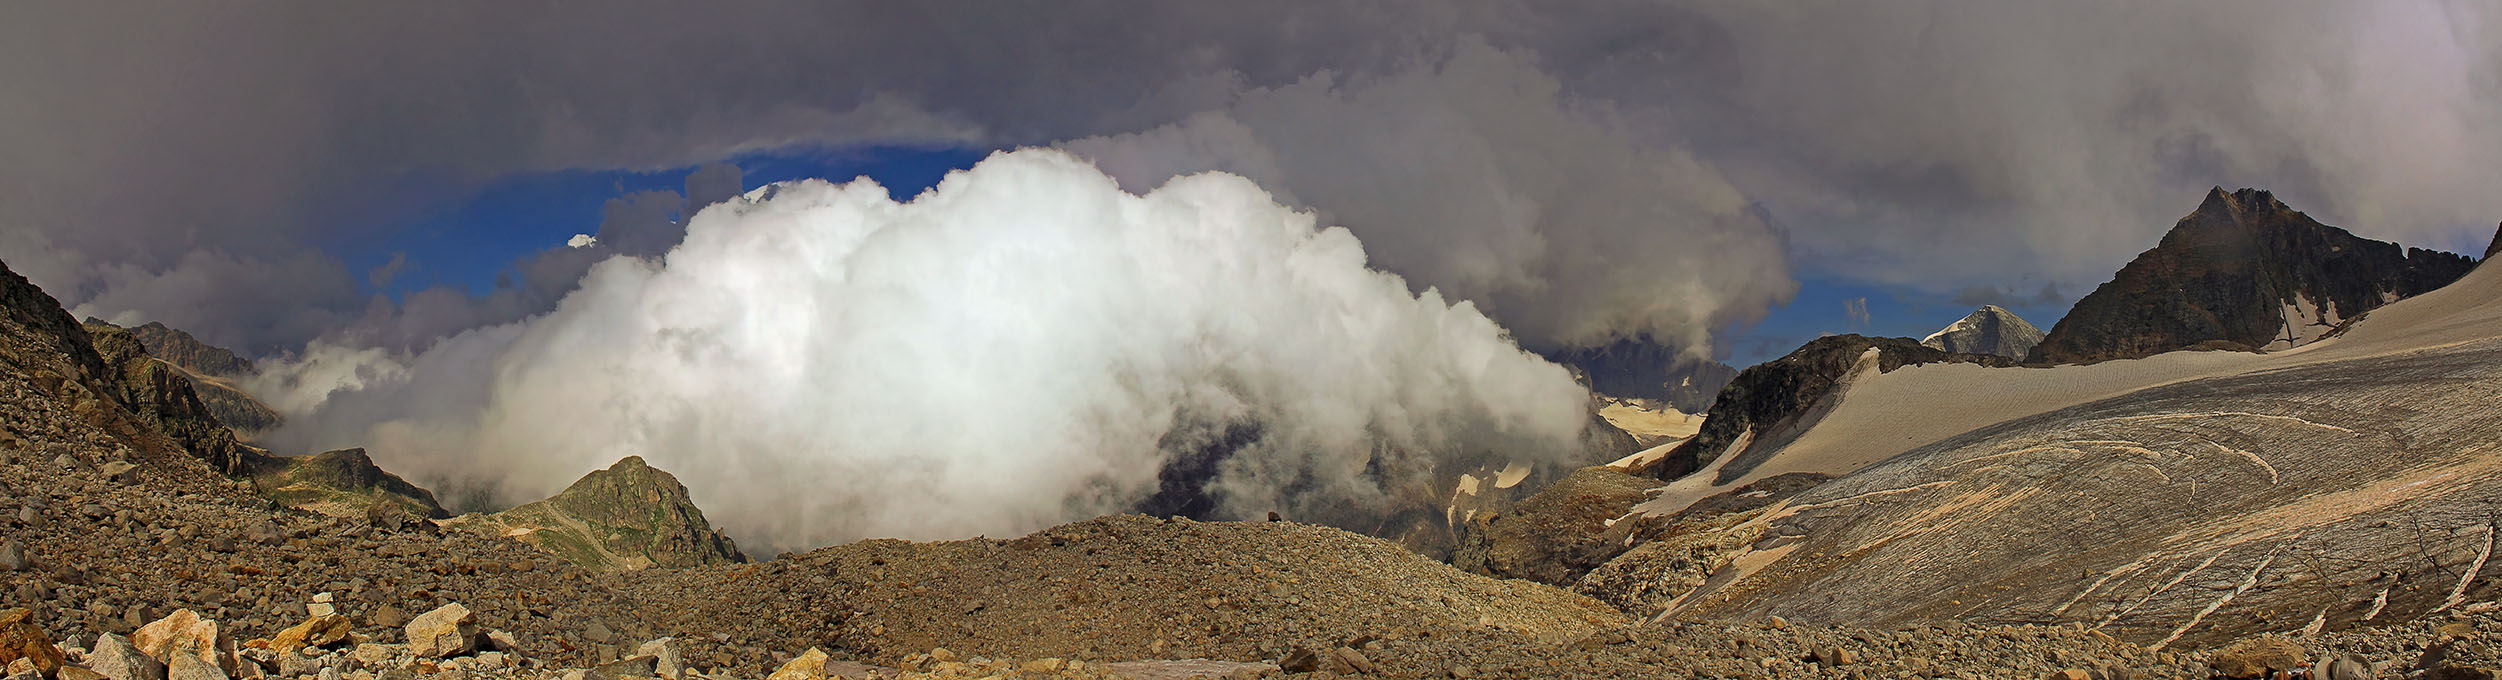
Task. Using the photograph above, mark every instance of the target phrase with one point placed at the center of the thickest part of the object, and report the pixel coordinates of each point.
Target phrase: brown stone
(2256, 658)
(21, 639)
(317, 631)
(809, 666)
(1299, 660)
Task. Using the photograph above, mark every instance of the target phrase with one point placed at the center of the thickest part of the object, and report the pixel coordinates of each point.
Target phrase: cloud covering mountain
(1024, 345)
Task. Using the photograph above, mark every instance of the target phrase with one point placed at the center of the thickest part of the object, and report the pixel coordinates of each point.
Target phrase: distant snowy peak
(1988, 330)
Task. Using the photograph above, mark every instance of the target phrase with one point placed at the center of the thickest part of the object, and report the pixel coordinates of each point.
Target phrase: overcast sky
(1582, 171)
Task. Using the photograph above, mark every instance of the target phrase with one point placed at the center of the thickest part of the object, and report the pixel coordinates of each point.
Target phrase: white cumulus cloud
(1024, 344)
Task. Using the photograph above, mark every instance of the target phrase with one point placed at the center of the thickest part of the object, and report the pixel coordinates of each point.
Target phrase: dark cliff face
(1779, 399)
(180, 349)
(209, 367)
(1641, 369)
(2229, 272)
(114, 378)
(162, 395)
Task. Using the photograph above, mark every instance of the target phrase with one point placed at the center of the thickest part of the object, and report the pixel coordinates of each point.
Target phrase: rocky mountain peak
(628, 516)
(2243, 269)
(1988, 330)
(2496, 245)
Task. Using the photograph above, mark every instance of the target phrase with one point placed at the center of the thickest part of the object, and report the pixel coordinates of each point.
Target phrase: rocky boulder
(181, 635)
(114, 657)
(319, 630)
(449, 630)
(23, 641)
(809, 665)
(2260, 657)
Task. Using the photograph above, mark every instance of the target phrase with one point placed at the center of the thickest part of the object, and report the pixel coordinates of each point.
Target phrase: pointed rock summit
(1988, 330)
(2243, 270)
(629, 516)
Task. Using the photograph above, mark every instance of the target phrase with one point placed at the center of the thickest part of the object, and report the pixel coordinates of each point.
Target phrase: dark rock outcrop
(629, 516)
(1988, 330)
(2246, 269)
(1641, 369)
(2496, 245)
(1777, 400)
(211, 371)
(344, 483)
(161, 394)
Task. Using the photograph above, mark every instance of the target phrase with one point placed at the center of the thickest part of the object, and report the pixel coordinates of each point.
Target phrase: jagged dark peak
(2496, 245)
(2243, 269)
(1773, 402)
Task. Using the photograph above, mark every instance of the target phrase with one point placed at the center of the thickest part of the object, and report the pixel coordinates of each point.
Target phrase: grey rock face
(1988, 330)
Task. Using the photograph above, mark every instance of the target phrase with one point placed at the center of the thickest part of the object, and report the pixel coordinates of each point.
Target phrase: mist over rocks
(1024, 344)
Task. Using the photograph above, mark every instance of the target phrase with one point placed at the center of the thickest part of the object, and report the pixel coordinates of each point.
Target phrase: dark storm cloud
(179, 161)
